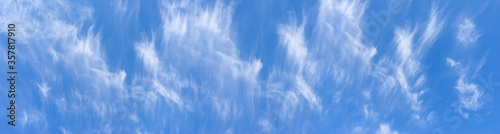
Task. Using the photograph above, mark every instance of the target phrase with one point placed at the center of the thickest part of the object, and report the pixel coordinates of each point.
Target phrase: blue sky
(260, 66)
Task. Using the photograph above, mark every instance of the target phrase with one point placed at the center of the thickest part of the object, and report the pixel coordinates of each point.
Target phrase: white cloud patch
(452, 62)
(337, 97)
(292, 38)
(133, 117)
(63, 130)
(369, 113)
(265, 125)
(138, 131)
(467, 33)
(386, 129)
(424, 120)
(120, 6)
(61, 104)
(471, 96)
(225, 108)
(367, 94)
(44, 89)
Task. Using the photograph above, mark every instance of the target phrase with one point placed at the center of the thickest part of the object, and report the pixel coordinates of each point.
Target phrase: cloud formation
(467, 33)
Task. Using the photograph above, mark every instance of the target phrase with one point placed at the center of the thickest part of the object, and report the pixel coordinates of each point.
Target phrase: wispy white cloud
(336, 34)
(408, 67)
(33, 118)
(333, 56)
(81, 52)
(84, 56)
(67, 52)
(308, 93)
(120, 6)
(292, 39)
(126, 10)
(471, 97)
(402, 72)
(338, 40)
(337, 97)
(404, 40)
(196, 39)
(224, 108)
(138, 131)
(194, 33)
(336, 51)
(410, 53)
(435, 24)
(290, 87)
(155, 77)
(146, 51)
(194, 70)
